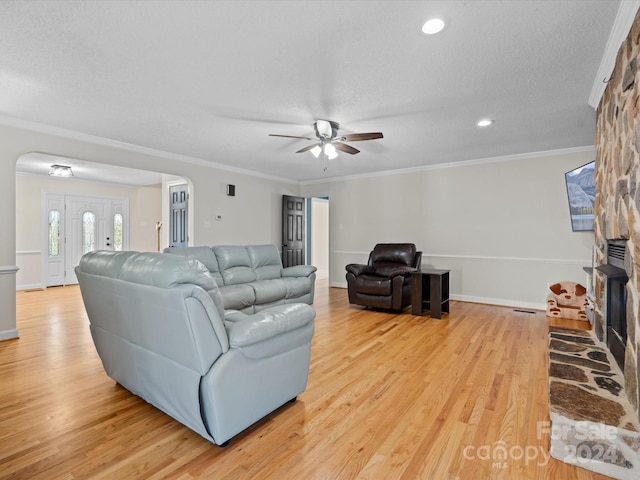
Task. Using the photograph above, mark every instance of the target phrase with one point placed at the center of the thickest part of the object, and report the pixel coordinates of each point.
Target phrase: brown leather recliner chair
(385, 282)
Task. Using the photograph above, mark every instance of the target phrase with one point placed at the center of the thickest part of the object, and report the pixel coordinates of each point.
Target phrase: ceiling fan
(328, 141)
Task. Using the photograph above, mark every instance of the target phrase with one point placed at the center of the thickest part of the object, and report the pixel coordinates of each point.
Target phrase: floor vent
(525, 311)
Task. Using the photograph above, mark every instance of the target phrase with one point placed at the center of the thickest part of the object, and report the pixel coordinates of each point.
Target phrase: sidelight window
(117, 232)
(54, 233)
(88, 232)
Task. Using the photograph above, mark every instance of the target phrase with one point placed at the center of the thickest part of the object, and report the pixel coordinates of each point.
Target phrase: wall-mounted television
(581, 191)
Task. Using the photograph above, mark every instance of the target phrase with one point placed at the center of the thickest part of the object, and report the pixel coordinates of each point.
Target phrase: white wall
(144, 211)
(502, 227)
(252, 216)
(320, 236)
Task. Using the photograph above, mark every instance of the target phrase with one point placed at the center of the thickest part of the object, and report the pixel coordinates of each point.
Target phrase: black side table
(430, 291)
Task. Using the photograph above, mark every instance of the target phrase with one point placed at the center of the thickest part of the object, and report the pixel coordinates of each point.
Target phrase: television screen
(581, 190)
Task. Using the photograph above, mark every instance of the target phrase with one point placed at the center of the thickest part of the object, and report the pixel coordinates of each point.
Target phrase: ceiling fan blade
(356, 137)
(308, 147)
(343, 147)
(290, 136)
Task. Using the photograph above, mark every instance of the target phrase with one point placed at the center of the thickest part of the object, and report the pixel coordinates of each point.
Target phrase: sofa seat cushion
(268, 291)
(238, 297)
(372, 285)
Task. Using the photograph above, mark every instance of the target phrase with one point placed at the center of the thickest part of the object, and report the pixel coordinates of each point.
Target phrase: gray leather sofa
(159, 327)
(251, 277)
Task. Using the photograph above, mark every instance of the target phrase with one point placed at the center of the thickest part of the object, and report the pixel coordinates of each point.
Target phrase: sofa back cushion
(204, 255)
(165, 271)
(104, 263)
(265, 260)
(393, 253)
(235, 264)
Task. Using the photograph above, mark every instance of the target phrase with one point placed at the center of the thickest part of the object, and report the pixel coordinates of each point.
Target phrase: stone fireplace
(617, 212)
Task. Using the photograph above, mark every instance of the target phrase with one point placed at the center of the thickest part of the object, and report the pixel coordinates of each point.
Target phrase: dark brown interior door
(293, 230)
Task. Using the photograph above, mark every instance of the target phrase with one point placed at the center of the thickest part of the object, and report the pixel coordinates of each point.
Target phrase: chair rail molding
(8, 269)
(485, 258)
(490, 258)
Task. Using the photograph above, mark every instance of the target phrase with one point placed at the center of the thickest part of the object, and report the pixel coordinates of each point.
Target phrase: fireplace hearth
(589, 408)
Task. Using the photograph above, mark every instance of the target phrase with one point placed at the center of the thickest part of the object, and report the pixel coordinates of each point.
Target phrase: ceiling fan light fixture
(485, 122)
(433, 26)
(316, 151)
(328, 142)
(330, 151)
(323, 128)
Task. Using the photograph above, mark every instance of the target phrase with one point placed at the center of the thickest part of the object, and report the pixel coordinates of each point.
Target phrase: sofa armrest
(298, 271)
(358, 269)
(268, 323)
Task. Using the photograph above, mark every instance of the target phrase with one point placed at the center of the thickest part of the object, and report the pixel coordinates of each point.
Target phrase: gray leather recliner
(159, 327)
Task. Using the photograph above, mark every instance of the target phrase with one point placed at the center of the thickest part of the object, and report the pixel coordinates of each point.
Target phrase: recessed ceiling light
(432, 26)
(485, 123)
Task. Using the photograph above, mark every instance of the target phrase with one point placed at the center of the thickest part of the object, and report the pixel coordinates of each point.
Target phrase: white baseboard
(500, 302)
(9, 334)
(471, 299)
(35, 286)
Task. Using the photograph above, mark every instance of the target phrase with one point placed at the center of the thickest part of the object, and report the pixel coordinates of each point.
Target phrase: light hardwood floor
(389, 396)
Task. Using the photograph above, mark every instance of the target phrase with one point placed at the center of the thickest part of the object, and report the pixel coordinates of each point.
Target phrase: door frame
(311, 223)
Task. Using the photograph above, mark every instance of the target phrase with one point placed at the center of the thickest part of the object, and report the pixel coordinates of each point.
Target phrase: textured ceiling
(211, 79)
(40, 163)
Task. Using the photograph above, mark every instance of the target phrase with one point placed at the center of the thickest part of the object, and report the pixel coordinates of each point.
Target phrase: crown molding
(83, 137)
(621, 27)
(107, 142)
(463, 163)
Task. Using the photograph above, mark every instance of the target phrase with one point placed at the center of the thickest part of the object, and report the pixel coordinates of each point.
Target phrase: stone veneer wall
(617, 205)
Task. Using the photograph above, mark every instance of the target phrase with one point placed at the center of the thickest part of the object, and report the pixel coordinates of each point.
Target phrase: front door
(293, 230)
(77, 225)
